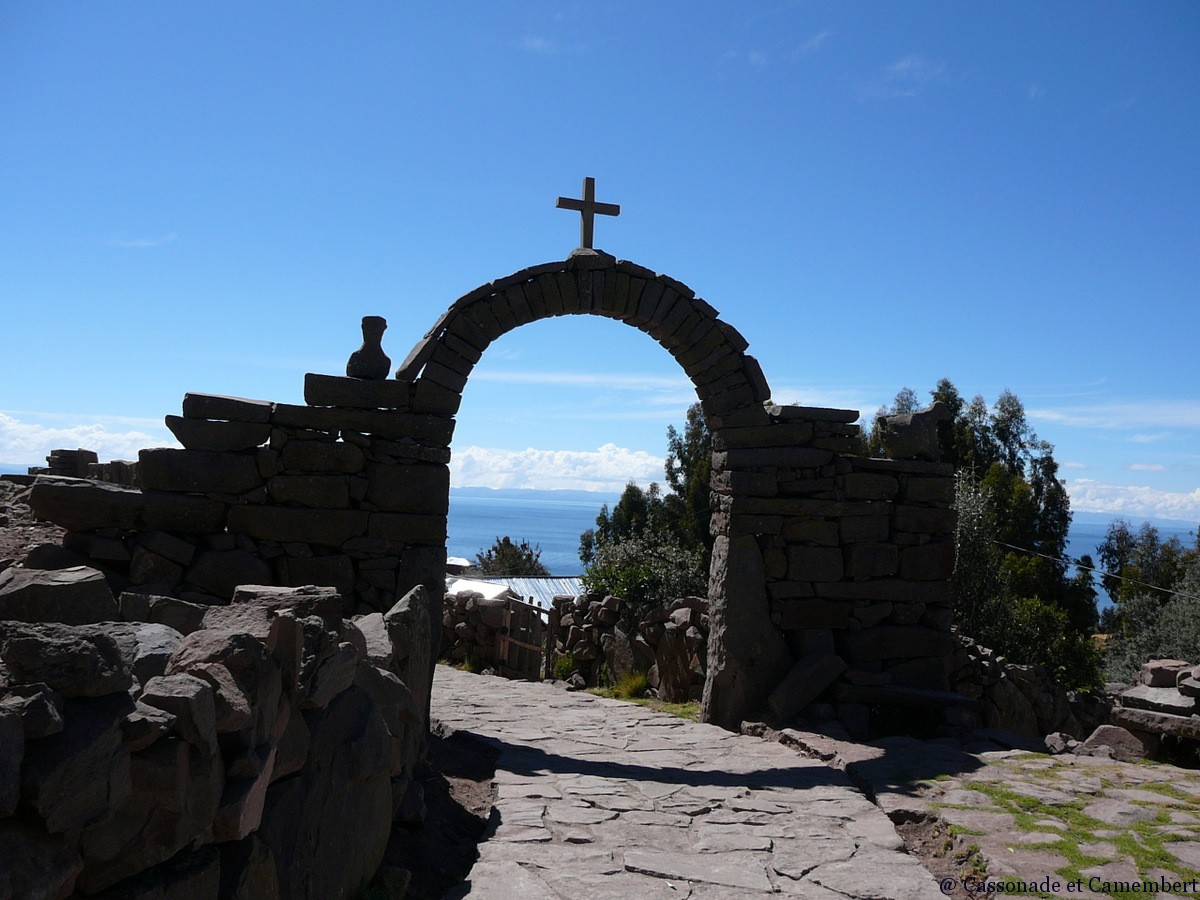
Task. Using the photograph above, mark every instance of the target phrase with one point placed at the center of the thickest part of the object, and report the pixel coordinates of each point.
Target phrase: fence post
(551, 640)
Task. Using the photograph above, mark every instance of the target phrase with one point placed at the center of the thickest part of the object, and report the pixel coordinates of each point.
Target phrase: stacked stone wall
(350, 491)
(829, 573)
(264, 755)
(853, 556)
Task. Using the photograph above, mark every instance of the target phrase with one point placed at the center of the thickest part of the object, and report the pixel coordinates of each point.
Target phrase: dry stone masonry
(829, 573)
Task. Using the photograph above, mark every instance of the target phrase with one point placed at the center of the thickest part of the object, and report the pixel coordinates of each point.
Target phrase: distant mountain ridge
(484, 493)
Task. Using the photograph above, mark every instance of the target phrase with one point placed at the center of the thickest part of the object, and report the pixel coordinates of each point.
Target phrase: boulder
(176, 787)
(76, 595)
(75, 661)
(1162, 672)
(345, 780)
(81, 774)
(39, 708)
(36, 864)
(190, 700)
(1123, 743)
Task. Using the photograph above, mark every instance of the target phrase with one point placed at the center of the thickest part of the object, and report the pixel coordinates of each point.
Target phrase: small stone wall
(853, 556)
(264, 755)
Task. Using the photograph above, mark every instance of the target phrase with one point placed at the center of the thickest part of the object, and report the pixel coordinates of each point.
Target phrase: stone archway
(747, 655)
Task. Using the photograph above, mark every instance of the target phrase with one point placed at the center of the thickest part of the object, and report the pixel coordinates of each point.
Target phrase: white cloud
(1088, 495)
(1072, 464)
(813, 44)
(608, 468)
(29, 443)
(1034, 91)
(608, 380)
(1146, 467)
(906, 77)
(1124, 414)
(1150, 438)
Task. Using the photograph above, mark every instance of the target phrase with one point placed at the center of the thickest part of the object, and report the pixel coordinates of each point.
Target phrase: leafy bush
(644, 570)
(564, 665)
(505, 557)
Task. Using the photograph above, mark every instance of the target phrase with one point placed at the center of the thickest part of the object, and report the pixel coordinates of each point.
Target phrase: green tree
(653, 547)
(507, 558)
(1139, 561)
(689, 473)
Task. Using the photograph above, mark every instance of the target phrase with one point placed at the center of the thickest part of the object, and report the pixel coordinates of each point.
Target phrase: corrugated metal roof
(538, 590)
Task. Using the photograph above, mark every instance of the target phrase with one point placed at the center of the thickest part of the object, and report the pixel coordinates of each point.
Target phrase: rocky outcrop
(268, 749)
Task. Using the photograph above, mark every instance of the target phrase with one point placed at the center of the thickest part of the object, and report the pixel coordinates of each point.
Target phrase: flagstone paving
(1094, 827)
(601, 799)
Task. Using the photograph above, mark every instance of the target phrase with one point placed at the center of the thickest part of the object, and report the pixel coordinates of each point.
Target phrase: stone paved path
(605, 800)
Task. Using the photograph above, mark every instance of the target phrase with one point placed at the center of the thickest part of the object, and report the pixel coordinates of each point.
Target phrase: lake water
(555, 526)
(552, 525)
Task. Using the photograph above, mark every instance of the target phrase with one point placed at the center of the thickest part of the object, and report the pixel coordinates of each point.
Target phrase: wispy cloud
(1072, 464)
(1146, 467)
(141, 243)
(1034, 91)
(607, 468)
(628, 381)
(1122, 414)
(29, 442)
(538, 45)
(1088, 495)
(906, 77)
(814, 43)
(1151, 438)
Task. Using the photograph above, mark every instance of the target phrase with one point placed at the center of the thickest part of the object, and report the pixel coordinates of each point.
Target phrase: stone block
(75, 777)
(1159, 699)
(222, 437)
(815, 564)
(925, 520)
(233, 409)
(1158, 723)
(321, 491)
(416, 488)
(870, 486)
(80, 505)
(38, 711)
(36, 864)
(804, 683)
(871, 560)
(938, 491)
(892, 590)
(220, 571)
(329, 528)
(778, 457)
(167, 546)
(1160, 672)
(322, 457)
(864, 529)
(747, 655)
(896, 642)
(336, 571)
(197, 471)
(811, 531)
(430, 397)
(407, 528)
(386, 424)
(927, 562)
(810, 613)
(357, 393)
(75, 661)
(73, 596)
(190, 700)
(1125, 745)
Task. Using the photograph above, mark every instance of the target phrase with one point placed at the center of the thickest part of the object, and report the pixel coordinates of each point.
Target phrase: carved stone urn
(369, 360)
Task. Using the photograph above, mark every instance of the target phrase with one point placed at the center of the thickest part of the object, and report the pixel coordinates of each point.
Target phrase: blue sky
(208, 196)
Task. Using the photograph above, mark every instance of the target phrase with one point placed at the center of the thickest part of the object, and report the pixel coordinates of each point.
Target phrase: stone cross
(588, 208)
